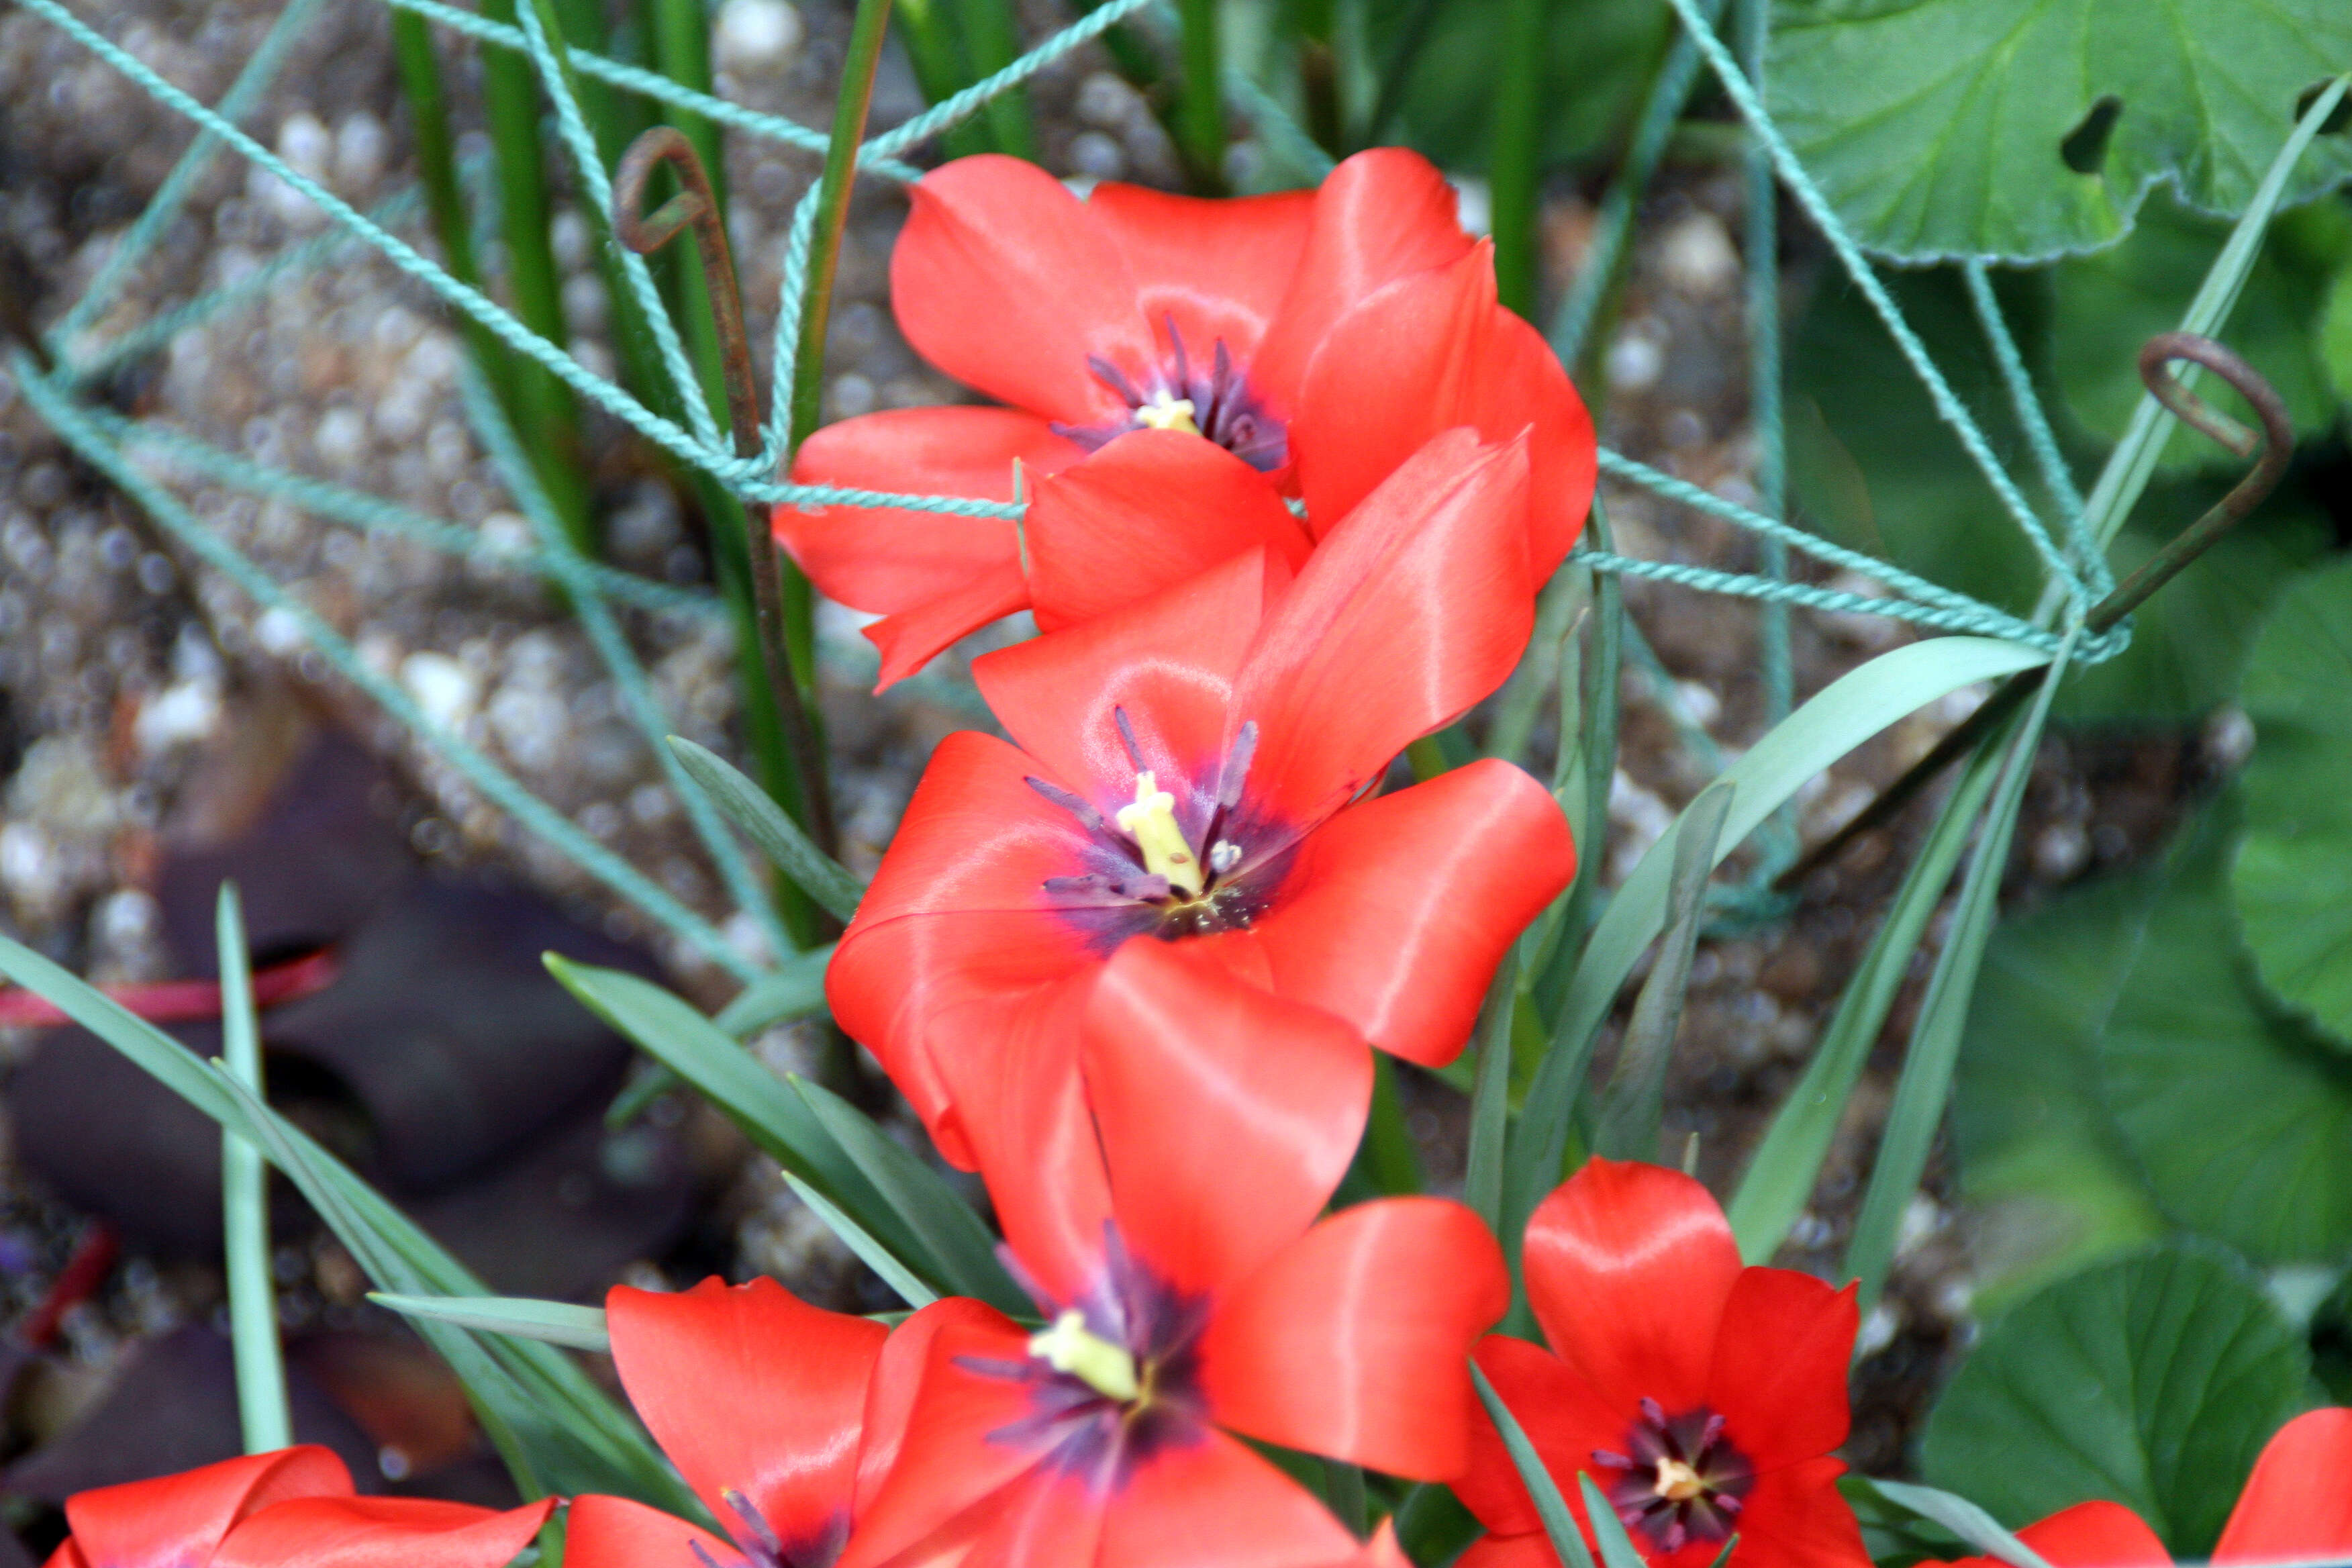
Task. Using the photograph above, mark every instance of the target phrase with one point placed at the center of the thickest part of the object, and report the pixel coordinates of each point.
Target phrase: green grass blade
(1935, 1045)
(1633, 1103)
(870, 1252)
(261, 1407)
(1490, 1096)
(779, 837)
(1787, 1163)
(1559, 1525)
(752, 1097)
(1389, 1157)
(549, 1323)
(949, 1231)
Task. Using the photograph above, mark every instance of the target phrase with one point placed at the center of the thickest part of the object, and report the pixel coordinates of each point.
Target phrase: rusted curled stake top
(695, 204)
(2275, 441)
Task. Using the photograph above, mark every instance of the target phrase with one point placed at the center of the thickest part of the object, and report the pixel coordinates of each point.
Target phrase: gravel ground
(135, 689)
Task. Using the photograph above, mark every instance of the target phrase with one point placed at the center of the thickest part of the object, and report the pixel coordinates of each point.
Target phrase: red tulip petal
(1219, 267)
(1781, 1358)
(1795, 1518)
(180, 1519)
(2089, 1535)
(1167, 661)
(1396, 912)
(615, 1533)
(1380, 216)
(1628, 1267)
(1227, 1115)
(1003, 279)
(1216, 1504)
(948, 1464)
(381, 1532)
(1562, 1416)
(956, 915)
(1046, 1519)
(1012, 1074)
(2298, 1502)
(1508, 1551)
(1351, 1342)
(67, 1555)
(1427, 353)
(1411, 611)
(749, 1389)
(1148, 512)
(912, 639)
(898, 1377)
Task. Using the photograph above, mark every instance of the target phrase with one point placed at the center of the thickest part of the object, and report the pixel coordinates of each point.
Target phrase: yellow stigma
(1151, 823)
(1677, 1482)
(1070, 1346)
(1166, 412)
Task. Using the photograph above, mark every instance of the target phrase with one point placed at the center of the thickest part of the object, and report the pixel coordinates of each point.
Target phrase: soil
(136, 686)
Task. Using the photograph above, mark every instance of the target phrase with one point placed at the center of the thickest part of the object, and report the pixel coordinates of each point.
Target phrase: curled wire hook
(696, 205)
(2275, 441)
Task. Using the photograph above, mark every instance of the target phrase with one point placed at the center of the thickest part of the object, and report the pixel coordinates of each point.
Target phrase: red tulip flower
(1189, 781)
(1703, 1399)
(1160, 1206)
(2297, 1508)
(779, 1416)
(295, 1505)
(1304, 344)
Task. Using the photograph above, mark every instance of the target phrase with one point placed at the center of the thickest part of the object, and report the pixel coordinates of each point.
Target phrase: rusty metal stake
(695, 206)
(2275, 441)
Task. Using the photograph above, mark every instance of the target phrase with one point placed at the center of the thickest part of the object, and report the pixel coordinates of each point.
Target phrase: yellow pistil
(1069, 1346)
(1166, 412)
(1151, 823)
(1677, 1482)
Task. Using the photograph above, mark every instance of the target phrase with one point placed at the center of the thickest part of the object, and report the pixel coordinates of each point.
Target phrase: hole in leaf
(2337, 118)
(2085, 148)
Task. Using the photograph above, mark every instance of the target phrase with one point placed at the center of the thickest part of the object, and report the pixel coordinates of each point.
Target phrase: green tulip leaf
(2025, 130)
(2240, 1118)
(2293, 879)
(2152, 1380)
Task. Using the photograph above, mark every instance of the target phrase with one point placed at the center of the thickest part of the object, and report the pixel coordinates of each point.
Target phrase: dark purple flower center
(1095, 1422)
(761, 1547)
(1213, 401)
(1679, 1479)
(1187, 856)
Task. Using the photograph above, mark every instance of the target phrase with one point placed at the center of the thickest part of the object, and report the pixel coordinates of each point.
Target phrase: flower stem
(1201, 104)
(1515, 157)
(833, 212)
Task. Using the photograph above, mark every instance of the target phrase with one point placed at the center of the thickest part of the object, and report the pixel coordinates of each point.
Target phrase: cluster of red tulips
(1292, 479)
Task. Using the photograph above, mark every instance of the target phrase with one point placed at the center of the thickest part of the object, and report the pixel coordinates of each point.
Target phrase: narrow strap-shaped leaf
(1834, 720)
(951, 1232)
(1935, 1045)
(793, 989)
(755, 1099)
(552, 1322)
(870, 1252)
(1633, 1103)
(780, 839)
(1559, 1525)
(261, 1407)
(1961, 1517)
(1616, 1546)
(1787, 1163)
(1490, 1096)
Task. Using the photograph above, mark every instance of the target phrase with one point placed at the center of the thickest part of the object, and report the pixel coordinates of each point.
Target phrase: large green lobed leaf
(1944, 128)
(2293, 879)
(2151, 1381)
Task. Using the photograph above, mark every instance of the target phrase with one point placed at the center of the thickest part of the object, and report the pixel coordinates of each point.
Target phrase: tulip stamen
(1068, 1346)
(1151, 821)
(1162, 411)
(1677, 1479)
